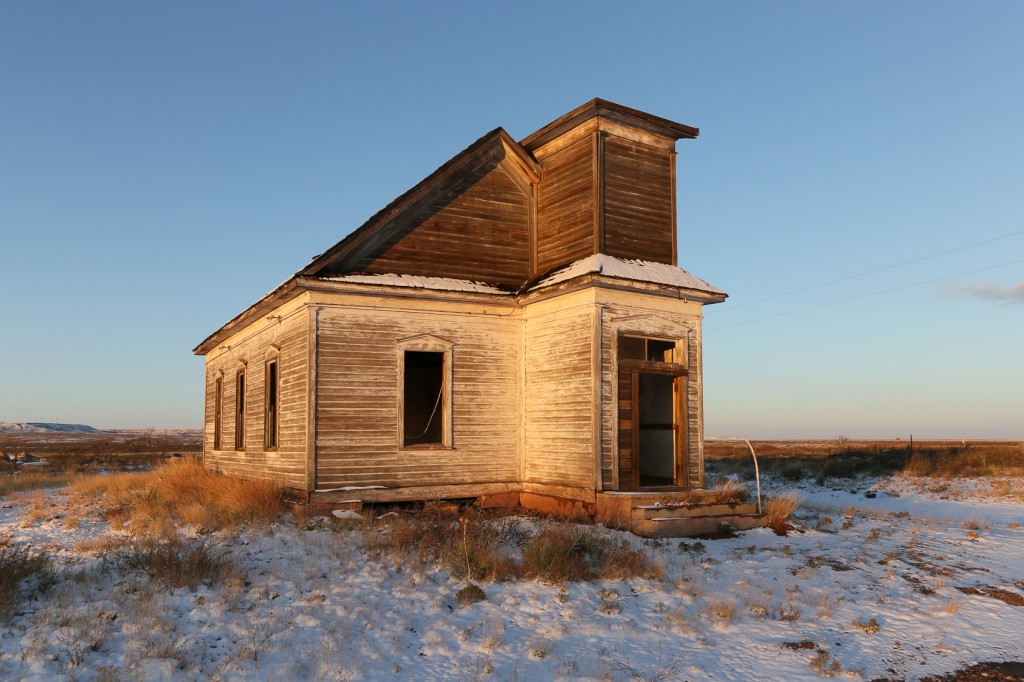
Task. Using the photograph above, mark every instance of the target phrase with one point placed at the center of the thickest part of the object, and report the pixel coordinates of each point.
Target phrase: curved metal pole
(757, 471)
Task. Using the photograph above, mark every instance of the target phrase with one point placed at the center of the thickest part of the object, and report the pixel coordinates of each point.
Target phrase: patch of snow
(419, 282)
(313, 604)
(346, 514)
(636, 270)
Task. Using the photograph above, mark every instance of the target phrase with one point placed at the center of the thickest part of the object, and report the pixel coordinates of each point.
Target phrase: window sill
(426, 447)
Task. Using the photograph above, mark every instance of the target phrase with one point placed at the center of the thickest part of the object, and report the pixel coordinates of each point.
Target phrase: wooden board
(638, 201)
(565, 207)
(480, 231)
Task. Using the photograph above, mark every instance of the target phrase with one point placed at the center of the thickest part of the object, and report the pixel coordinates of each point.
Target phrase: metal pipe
(757, 471)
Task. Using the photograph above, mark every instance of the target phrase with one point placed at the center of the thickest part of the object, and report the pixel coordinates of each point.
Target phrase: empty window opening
(423, 398)
(240, 410)
(646, 350)
(270, 418)
(218, 406)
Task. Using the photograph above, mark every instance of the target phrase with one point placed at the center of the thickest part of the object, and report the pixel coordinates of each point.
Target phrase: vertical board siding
(565, 206)
(480, 232)
(357, 399)
(286, 464)
(612, 441)
(638, 208)
(559, 397)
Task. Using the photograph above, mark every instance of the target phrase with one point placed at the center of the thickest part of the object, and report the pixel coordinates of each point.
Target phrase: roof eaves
(273, 299)
(612, 111)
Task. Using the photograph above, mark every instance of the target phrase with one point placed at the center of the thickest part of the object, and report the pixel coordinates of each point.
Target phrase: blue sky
(162, 166)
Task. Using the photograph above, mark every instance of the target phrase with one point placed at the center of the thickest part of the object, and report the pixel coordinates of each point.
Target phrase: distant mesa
(44, 427)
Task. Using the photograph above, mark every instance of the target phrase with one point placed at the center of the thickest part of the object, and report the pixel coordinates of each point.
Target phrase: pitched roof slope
(491, 148)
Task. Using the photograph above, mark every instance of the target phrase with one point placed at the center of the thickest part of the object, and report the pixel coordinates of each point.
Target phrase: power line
(868, 272)
(855, 298)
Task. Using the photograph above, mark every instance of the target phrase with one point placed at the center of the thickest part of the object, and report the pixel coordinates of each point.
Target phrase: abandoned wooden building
(514, 328)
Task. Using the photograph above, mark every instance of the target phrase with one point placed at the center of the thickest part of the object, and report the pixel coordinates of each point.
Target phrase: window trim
(240, 407)
(271, 403)
(218, 410)
(429, 344)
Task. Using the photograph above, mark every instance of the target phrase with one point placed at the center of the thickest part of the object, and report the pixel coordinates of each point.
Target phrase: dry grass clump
(18, 563)
(475, 547)
(735, 490)
(22, 482)
(779, 508)
(183, 491)
(869, 626)
(568, 553)
(174, 561)
(469, 547)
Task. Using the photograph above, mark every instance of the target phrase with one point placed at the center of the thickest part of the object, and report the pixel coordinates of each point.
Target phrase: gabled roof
(615, 112)
(492, 148)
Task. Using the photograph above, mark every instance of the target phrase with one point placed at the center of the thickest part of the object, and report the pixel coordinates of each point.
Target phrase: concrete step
(681, 510)
(695, 526)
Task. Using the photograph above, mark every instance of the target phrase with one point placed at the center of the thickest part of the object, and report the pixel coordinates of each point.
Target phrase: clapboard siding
(287, 464)
(358, 396)
(658, 322)
(638, 201)
(565, 206)
(480, 232)
(558, 398)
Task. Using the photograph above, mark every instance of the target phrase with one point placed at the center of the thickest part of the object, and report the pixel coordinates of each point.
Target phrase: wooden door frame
(679, 393)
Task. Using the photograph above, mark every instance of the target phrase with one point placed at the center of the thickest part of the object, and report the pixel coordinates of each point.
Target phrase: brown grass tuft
(174, 561)
(779, 508)
(569, 553)
(183, 491)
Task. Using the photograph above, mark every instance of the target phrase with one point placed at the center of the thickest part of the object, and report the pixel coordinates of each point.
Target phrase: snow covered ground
(869, 591)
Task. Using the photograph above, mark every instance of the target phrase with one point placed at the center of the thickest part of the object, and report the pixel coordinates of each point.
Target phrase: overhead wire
(734, 306)
(855, 298)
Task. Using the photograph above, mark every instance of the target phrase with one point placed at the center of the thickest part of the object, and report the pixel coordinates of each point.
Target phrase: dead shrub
(562, 554)
(477, 555)
(568, 554)
(779, 508)
(869, 626)
(414, 538)
(174, 561)
(21, 566)
(184, 491)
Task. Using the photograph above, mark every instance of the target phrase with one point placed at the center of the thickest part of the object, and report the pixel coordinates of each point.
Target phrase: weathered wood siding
(646, 318)
(559, 394)
(358, 396)
(565, 206)
(480, 231)
(638, 201)
(286, 464)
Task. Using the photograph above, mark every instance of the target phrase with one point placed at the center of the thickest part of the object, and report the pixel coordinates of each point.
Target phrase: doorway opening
(652, 440)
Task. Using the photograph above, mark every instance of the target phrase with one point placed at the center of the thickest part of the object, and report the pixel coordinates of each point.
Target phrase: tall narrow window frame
(218, 409)
(271, 403)
(438, 404)
(240, 400)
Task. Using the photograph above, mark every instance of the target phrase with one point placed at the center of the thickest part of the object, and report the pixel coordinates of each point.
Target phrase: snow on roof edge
(636, 270)
(418, 282)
